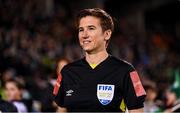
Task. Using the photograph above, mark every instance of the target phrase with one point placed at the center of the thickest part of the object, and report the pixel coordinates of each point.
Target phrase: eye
(80, 30)
(91, 28)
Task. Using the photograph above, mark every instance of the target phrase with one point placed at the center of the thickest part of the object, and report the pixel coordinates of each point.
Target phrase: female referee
(99, 82)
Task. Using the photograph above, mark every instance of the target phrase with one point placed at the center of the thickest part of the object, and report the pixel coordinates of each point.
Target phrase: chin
(87, 50)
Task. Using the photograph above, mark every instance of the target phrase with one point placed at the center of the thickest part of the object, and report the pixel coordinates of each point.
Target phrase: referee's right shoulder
(71, 65)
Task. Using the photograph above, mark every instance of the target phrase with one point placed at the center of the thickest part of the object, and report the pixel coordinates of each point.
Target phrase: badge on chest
(105, 93)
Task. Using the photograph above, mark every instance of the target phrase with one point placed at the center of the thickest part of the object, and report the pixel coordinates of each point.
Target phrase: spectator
(172, 102)
(6, 106)
(13, 91)
(150, 104)
(60, 64)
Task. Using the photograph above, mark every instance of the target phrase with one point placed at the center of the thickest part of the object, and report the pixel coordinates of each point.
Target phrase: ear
(107, 34)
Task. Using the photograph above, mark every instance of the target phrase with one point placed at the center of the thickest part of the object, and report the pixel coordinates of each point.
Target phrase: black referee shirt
(100, 89)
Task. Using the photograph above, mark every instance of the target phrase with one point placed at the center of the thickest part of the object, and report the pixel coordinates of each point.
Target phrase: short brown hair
(19, 85)
(105, 18)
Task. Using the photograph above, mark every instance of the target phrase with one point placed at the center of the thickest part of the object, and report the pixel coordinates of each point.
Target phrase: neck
(96, 58)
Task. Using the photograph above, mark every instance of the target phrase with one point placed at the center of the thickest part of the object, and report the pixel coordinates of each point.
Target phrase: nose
(85, 34)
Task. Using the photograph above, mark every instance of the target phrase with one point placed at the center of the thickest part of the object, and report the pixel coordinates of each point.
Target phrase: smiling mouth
(86, 42)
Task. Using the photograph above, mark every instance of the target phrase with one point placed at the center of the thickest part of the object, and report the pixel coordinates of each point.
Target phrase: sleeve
(134, 93)
(58, 91)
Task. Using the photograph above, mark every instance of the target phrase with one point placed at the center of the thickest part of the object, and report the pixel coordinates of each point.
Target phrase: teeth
(86, 42)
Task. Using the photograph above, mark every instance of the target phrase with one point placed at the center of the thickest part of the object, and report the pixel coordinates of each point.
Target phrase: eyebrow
(88, 26)
(91, 26)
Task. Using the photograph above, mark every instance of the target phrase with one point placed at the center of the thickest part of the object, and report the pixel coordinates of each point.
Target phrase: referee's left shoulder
(123, 63)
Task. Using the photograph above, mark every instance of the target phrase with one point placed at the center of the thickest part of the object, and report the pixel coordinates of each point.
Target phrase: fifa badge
(105, 93)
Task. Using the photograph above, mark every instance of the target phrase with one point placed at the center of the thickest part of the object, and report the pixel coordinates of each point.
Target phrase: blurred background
(35, 35)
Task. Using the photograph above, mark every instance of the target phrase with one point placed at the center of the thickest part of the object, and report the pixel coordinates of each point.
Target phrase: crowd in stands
(31, 44)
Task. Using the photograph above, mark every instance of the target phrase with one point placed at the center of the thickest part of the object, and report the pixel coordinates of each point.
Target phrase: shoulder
(7, 106)
(75, 64)
(20, 106)
(121, 63)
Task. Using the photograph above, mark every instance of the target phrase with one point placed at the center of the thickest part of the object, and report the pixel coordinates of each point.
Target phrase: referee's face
(91, 36)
